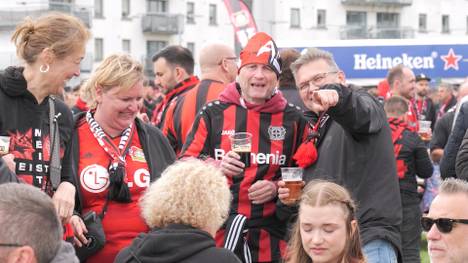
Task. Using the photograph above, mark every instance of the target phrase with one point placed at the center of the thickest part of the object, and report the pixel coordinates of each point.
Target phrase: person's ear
(179, 73)
(47, 56)
(24, 254)
(224, 65)
(99, 93)
(342, 77)
(354, 225)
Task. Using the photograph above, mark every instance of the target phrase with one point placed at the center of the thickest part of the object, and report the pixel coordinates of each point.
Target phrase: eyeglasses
(10, 245)
(445, 225)
(228, 58)
(316, 80)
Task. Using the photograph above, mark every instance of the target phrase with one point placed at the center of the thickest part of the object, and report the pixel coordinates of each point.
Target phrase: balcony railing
(378, 2)
(354, 32)
(163, 23)
(9, 18)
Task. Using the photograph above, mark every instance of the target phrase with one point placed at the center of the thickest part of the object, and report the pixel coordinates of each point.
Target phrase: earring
(44, 68)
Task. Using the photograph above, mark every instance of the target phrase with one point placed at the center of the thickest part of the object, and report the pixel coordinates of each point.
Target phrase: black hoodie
(175, 243)
(26, 122)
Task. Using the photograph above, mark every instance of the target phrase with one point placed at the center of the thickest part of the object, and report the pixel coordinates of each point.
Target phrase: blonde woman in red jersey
(111, 154)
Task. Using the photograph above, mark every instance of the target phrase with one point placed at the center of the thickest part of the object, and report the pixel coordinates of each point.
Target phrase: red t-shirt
(122, 221)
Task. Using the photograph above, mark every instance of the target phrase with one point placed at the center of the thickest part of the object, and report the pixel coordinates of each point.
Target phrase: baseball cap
(422, 77)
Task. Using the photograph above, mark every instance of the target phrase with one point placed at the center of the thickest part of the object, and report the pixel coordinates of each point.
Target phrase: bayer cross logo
(276, 133)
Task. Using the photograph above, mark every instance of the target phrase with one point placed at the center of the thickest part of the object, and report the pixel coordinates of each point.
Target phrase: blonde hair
(117, 70)
(62, 33)
(322, 193)
(189, 192)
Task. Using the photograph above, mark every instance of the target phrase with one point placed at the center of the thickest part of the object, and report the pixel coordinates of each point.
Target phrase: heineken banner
(436, 61)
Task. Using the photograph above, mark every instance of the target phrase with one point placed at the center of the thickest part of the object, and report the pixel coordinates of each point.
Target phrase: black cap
(422, 77)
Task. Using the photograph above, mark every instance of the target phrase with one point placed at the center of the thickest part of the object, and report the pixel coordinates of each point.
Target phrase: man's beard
(422, 93)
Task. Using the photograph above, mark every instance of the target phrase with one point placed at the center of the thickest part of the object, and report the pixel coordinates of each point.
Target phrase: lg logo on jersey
(95, 178)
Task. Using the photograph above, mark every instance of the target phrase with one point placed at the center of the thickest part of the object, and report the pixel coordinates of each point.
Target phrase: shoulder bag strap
(54, 138)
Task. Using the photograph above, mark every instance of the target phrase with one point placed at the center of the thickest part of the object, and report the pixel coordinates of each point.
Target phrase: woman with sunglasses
(447, 223)
(326, 229)
(116, 155)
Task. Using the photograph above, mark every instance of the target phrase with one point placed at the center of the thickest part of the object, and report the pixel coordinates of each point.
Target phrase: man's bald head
(216, 59)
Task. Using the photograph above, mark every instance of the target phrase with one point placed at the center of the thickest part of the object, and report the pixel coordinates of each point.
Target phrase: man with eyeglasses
(30, 230)
(447, 223)
(354, 147)
(218, 66)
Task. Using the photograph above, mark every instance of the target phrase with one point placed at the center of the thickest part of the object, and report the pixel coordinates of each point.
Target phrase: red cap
(261, 49)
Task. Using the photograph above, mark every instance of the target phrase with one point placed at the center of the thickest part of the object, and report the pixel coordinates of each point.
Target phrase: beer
(241, 143)
(244, 152)
(295, 189)
(292, 177)
(4, 145)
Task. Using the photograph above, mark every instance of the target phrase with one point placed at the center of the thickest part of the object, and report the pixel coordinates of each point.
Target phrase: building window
(445, 24)
(190, 13)
(98, 49)
(98, 9)
(126, 46)
(422, 23)
(295, 18)
(125, 8)
(154, 46)
(388, 26)
(213, 15)
(356, 25)
(156, 6)
(191, 47)
(321, 18)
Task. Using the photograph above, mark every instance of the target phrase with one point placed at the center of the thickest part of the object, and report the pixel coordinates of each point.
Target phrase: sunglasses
(445, 225)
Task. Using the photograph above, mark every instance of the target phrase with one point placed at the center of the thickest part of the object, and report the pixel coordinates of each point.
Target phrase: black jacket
(175, 244)
(27, 123)
(158, 153)
(442, 130)
(355, 150)
(447, 164)
(413, 153)
(462, 159)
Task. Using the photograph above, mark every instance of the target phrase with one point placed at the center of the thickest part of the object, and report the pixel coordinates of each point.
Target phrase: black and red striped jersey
(276, 137)
(159, 113)
(181, 114)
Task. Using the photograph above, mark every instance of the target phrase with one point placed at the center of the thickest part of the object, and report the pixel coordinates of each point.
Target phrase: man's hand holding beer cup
(290, 186)
(231, 164)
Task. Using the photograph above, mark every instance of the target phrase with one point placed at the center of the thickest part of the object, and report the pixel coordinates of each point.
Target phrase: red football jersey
(122, 221)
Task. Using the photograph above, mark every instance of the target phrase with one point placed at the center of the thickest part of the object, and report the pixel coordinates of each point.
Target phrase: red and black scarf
(398, 126)
(118, 189)
(178, 89)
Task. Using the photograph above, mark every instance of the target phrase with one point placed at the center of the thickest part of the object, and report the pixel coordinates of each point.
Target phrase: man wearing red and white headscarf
(254, 229)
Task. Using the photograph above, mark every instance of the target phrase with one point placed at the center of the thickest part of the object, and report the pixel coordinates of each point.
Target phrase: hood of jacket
(232, 94)
(174, 243)
(65, 254)
(12, 82)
